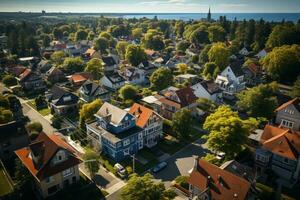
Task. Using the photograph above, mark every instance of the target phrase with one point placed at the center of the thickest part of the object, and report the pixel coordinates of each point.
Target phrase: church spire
(209, 15)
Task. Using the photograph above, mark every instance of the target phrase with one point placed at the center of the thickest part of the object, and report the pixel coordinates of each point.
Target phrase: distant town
(134, 108)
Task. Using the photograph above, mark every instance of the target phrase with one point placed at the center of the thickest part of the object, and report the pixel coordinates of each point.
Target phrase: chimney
(196, 161)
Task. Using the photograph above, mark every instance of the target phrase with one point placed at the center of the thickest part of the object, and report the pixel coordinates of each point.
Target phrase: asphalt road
(34, 116)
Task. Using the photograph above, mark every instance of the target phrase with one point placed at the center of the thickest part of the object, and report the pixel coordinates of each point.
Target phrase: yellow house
(52, 162)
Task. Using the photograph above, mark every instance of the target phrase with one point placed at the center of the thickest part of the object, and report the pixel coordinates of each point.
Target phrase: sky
(152, 6)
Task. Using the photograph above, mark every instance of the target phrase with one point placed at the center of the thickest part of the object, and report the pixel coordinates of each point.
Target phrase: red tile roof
(77, 78)
(24, 74)
(45, 148)
(141, 113)
(281, 141)
(221, 184)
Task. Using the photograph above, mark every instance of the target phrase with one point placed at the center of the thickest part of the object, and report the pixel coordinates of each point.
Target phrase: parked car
(120, 170)
(160, 166)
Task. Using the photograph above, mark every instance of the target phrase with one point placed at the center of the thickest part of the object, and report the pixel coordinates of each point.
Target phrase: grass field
(5, 187)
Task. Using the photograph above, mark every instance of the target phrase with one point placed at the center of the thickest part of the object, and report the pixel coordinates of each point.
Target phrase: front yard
(43, 111)
(5, 187)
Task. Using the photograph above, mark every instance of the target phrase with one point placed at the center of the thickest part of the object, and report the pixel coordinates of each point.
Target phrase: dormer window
(67, 98)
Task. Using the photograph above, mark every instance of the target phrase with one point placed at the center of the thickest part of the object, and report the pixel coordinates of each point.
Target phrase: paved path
(35, 116)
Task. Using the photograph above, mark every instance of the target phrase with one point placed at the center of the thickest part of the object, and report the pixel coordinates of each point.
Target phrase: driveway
(182, 162)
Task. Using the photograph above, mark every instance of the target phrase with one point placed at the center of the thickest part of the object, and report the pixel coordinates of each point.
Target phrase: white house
(133, 75)
(231, 80)
(112, 81)
(244, 51)
(208, 90)
(263, 53)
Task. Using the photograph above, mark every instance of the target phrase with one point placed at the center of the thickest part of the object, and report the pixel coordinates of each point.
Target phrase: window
(287, 124)
(126, 142)
(126, 152)
(291, 112)
(49, 179)
(67, 172)
(140, 136)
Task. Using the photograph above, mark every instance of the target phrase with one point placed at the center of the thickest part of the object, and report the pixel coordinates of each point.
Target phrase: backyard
(5, 186)
(43, 111)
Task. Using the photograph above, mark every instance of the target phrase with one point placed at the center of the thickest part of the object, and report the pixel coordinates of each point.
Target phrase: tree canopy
(259, 101)
(211, 70)
(227, 131)
(219, 54)
(101, 44)
(91, 161)
(182, 123)
(141, 188)
(128, 92)
(161, 78)
(284, 34)
(95, 67)
(135, 54)
(87, 111)
(73, 65)
(295, 92)
(282, 64)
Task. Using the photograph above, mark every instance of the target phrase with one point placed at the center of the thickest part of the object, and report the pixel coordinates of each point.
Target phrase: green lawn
(43, 111)
(5, 187)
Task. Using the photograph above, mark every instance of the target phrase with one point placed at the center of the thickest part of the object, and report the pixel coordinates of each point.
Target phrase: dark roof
(237, 68)
(56, 94)
(186, 96)
(108, 60)
(93, 89)
(115, 78)
(12, 129)
(210, 86)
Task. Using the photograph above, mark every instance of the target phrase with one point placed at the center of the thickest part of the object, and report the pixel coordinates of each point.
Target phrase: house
(58, 45)
(209, 182)
(208, 90)
(115, 132)
(148, 68)
(44, 66)
(280, 152)
(109, 63)
(52, 162)
(90, 91)
(13, 136)
(149, 121)
(112, 81)
(61, 101)
(186, 78)
(231, 79)
(133, 75)
(153, 102)
(244, 51)
(55, 75)
(252, 74)
(263, 53)
(174, 99)
(288, 114)
(30, 80)
(80, 78)
(92, 53)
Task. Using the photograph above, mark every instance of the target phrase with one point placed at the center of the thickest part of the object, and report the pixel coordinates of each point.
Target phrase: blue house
(115, 132)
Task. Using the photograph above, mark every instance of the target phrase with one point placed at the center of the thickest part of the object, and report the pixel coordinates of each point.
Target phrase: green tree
(182, 68)
(101, 44)
(210, 70)
(21, 175)
(199, 36)
(216, 33)
(106, 35)
(137, 33)
(5, 116)
(73, 65)
(182, 45)
(9, 80)
(295, 92)
(153, 40)
(140, 188)
(57, 33)
(282, 64)
(284, 34)
(58, 57)
(121, 48)
(258, 101)
(46, 40)
(81, 35)
(227, 132)
(87, 111)
(91, 161)
(203, 57)
(40, 101)
(206, 105)
(34, 127)
(128, 92)
(95, 67)
(135, 54)
(219, 54)
(182, 124)
(161, 78)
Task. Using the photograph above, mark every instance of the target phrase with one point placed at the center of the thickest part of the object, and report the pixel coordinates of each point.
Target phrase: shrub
(34, 127)
(9, 80)
(182, 181)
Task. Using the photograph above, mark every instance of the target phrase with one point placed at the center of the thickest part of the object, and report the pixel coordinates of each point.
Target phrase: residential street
(35, 116)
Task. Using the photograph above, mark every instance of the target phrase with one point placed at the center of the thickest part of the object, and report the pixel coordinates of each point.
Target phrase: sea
(275, 17)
